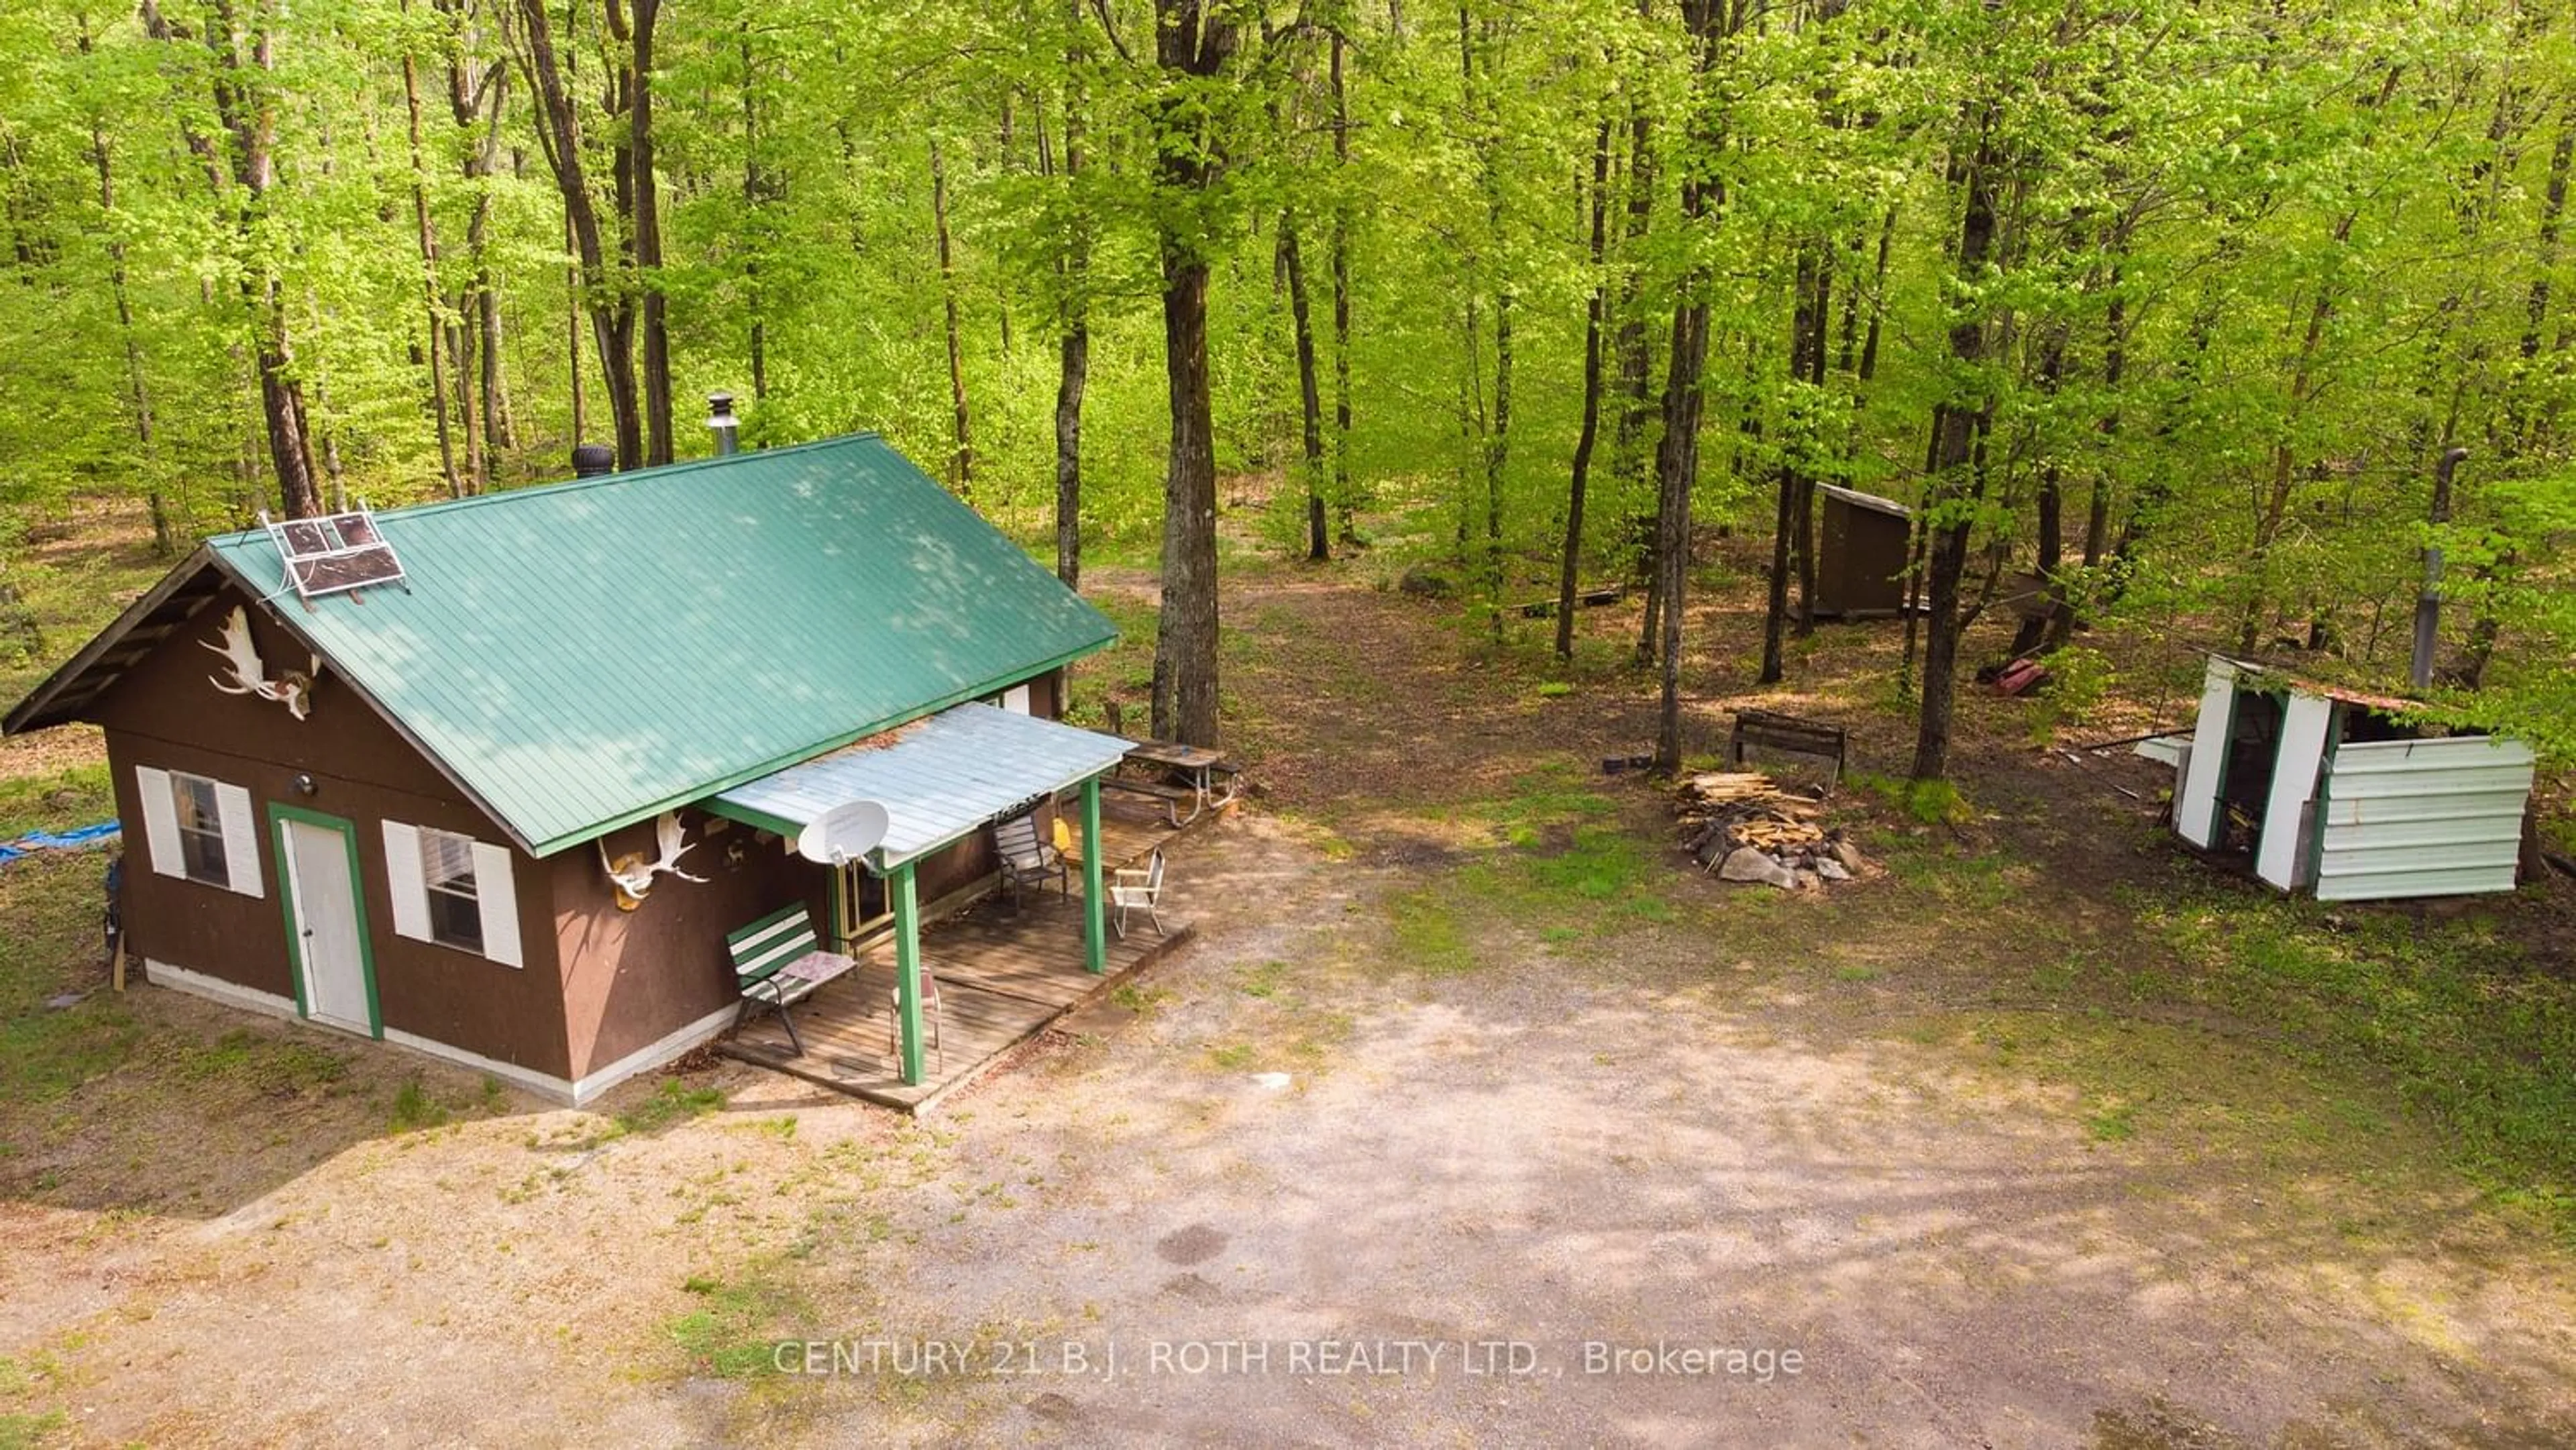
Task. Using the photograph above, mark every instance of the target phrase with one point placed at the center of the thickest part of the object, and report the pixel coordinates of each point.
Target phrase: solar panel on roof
(334, 553)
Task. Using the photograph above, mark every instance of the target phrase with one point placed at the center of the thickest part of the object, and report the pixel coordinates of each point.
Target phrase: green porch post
(1095, 916)
(907, 967)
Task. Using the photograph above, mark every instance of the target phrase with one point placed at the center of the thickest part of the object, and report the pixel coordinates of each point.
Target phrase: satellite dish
(843, 834)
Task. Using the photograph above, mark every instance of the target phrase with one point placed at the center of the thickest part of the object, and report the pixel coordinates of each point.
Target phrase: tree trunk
(961, 459)
(757, 192)
(647, 222)
(1583, 442)
(427, 235)
(1946, 513)
(1073, 371)
(1344, 501)
(1629, 461)
(1677, 456)
(138, 396)
(612, 319)
(1793, 534)
(1192, 43)
(243, 174)
(1498, 444)
(1309, 396)
(2050, 525)
(1802, 507)
(1185, 662)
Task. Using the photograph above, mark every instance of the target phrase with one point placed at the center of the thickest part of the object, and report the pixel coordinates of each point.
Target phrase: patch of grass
(1554, 689)
(1427, 936)
(673, 1101)
(1931, 802)
(415, 1107)
(1141, 1000)
(27, 1432)
(2471, 1038)
(1233, 1056)
(1263, 980)
(1980, 881)
(735, 1330)
(50, 948)
(79, 796)
(278, 1066)
(2117, 1123)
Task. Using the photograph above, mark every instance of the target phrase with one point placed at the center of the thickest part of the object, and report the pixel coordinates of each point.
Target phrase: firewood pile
(1743, 827)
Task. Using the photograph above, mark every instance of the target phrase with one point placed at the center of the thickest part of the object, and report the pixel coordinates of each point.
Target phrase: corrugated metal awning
(938, 778)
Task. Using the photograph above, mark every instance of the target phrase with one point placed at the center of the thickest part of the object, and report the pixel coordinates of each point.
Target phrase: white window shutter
(1016, 699)
(160, 821)
(500, 903)
(241, 839)
(402, 874)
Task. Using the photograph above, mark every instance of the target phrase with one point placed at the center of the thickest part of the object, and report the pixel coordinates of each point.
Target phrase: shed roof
(937, 778)
(1869, 501)
(584, 655)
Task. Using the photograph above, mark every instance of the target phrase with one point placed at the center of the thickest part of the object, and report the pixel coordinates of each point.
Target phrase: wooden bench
(1767, 730)
(1593, 598)
(1172, 797)
(778, 962)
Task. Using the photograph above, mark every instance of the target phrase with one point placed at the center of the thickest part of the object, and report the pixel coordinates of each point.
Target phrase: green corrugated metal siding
(587, 654)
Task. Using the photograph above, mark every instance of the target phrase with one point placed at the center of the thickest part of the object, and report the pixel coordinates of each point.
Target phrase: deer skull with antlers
(633, 875)
(293, 689)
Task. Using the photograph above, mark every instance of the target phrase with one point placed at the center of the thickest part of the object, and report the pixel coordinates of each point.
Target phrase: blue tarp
(74, 840)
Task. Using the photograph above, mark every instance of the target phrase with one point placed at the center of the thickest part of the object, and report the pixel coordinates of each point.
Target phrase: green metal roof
(590, 653)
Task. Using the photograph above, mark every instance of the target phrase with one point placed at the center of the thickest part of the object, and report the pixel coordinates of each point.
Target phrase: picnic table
(1176, 774)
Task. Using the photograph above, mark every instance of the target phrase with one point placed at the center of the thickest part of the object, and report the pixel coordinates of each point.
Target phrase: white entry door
(330, 944)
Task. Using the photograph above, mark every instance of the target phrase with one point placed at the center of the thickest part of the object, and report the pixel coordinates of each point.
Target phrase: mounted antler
(293, 689)
(633, 875)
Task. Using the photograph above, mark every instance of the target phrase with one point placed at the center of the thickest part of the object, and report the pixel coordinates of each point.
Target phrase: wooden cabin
(382, 772)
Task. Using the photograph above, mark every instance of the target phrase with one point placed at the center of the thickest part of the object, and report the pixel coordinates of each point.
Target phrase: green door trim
(279, 813)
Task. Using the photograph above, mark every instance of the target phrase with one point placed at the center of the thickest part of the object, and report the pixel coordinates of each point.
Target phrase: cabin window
(199, 829)
(447, 874)
(452, 890)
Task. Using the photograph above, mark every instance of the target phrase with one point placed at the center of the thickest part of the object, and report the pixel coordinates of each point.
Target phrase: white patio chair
(1138, 890)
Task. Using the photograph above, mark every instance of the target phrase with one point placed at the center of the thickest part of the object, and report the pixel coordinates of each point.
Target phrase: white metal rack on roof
(334, 553)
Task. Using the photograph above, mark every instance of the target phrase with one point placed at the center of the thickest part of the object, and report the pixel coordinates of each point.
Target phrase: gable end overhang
(135, 632)
(163, 610)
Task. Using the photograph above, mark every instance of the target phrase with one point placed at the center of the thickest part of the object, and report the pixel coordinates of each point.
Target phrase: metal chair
(1141, 890)
(930, 1014)
(1026, 858)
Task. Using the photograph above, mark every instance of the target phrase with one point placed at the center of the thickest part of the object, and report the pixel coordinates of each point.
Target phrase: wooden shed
(2329, 792)
(1861, 557)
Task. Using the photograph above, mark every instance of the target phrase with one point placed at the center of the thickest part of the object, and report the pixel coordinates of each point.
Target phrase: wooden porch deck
(1002, 977)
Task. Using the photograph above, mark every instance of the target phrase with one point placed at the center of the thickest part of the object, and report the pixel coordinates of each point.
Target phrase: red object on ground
(2020, 677)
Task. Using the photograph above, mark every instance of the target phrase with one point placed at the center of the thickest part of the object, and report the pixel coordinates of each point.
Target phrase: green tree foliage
(2247, 270)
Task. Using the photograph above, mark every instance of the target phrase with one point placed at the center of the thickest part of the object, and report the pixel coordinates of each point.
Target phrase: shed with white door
(2328, 790)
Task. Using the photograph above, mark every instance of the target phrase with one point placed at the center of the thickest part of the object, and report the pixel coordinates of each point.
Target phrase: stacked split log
(1742, 826)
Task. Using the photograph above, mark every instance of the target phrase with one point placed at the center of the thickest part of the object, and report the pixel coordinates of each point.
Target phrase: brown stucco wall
(164, 713)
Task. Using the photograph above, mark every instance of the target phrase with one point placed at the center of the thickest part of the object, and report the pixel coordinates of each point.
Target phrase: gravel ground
(1675, 1185)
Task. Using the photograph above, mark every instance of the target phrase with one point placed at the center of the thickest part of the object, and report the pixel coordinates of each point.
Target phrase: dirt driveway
(1465, 1120)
